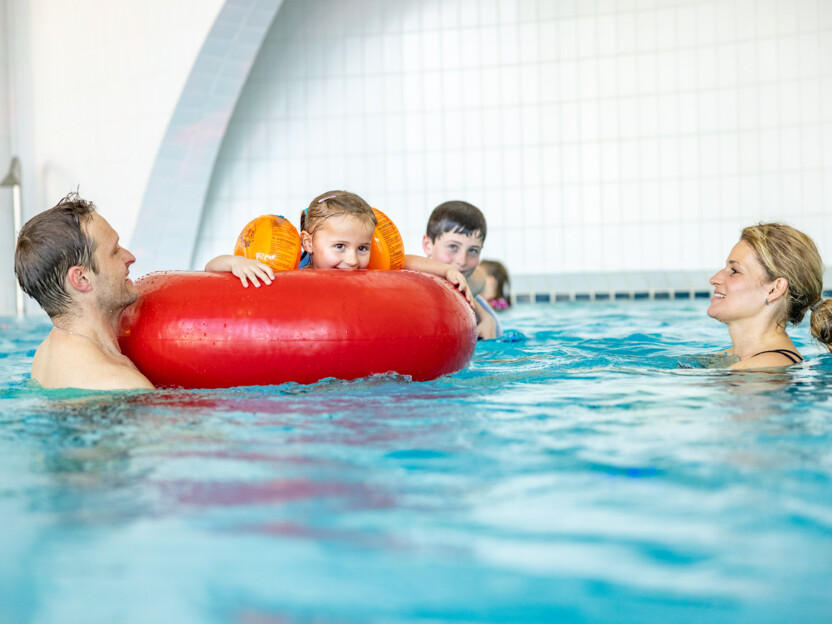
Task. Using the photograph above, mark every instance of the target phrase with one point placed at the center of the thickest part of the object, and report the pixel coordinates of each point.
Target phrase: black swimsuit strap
(792, 355)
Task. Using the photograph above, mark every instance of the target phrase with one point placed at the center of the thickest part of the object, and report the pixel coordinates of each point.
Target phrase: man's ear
(778, 288)
(306, 241)
(427, 245)
(78, 279)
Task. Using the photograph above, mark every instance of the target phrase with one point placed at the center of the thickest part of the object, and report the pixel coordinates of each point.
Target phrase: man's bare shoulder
(82, 364)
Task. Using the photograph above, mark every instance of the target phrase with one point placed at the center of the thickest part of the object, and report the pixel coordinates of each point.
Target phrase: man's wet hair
(456, 216)
(48, 246)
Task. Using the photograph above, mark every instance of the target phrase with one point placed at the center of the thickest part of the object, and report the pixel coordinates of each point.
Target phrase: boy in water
(455, 235)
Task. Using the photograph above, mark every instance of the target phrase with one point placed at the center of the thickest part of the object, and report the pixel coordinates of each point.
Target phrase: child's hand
(248, 269)
(458, 279)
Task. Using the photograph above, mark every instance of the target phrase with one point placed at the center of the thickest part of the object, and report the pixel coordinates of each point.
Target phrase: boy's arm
(440, 269)
(244, 268)
(476, 281)
(486, 325)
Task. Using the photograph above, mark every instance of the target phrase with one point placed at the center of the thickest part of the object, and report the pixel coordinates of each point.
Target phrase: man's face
(461, 251)
(114, 290)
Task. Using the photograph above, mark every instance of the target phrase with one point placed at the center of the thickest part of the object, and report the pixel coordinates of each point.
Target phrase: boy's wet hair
(51, 243)
(456, 216)
(335, 204)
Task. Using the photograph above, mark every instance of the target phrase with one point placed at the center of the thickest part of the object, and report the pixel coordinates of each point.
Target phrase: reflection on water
(593, 466)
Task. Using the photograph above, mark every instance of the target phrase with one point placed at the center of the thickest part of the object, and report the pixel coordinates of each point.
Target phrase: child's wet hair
(456, 216)
(335, 204)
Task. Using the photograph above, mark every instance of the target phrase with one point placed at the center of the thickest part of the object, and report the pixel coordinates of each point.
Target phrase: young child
(455, 236)
(497, 285)
(336, 233)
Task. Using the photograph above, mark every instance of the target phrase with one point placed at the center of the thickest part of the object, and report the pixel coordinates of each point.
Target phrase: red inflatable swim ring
(203, 330)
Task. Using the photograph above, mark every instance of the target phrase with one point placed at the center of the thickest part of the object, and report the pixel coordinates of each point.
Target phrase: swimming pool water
(587, 469)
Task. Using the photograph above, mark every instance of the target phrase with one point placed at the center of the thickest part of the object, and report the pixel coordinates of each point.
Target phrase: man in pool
(69, 260)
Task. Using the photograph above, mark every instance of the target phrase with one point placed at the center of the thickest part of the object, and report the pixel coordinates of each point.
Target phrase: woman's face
(741, 288)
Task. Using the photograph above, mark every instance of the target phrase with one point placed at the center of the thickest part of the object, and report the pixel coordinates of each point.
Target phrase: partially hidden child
(455, 235)
(336, 233)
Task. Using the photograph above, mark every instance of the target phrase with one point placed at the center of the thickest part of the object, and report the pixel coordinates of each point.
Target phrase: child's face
(461, 251)
(340, 243)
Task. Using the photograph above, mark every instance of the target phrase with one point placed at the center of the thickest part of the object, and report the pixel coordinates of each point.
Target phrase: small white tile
(492, 163)
(512, 167)
(789, 58)
(509, 126)
(626, 33)
(630, 160)
(748, 202)
(451, 43)
(811, 149)
(609, 161)
(588, 79)
(668, 72)
(726, 68)
(657, 115)
(571, 164)
(730, 155)
(812, 190)
(586, 32)
(492, 131)
(689, 156)
(710, 202)
(431, 48)
(627, 75)
(570, 121)
(607, 35)
(608, 120)
(453, 129)
(649, 159)
(630, 202)
(647, 73)
(433, 123)
(472, 130)
(547, 41)
(589, 121)
(414, 132)
(567, 38)
(435, 170)
(509, 79)
(590, 163)
(471, 87)
(469, 48)
(667, 36)
(528, 43)
(412, 92)
(728, 110)
(789, 104)
(568, 78)
(749, 106)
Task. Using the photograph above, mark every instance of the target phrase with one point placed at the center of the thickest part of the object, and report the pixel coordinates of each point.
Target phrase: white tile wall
(604, 136)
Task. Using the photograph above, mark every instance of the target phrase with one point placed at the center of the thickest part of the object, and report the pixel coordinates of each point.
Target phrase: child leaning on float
(338, 231)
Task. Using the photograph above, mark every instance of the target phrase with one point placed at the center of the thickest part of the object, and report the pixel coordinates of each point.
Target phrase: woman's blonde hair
(786, 252)
(335, 204)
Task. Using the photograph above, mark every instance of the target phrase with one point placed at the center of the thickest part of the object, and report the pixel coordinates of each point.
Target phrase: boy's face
(461, 251)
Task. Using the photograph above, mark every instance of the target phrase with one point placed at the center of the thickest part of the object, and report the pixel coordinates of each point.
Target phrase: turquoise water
(587, 470)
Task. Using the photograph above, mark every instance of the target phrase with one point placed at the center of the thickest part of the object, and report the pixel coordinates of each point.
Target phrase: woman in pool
(772, 277)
